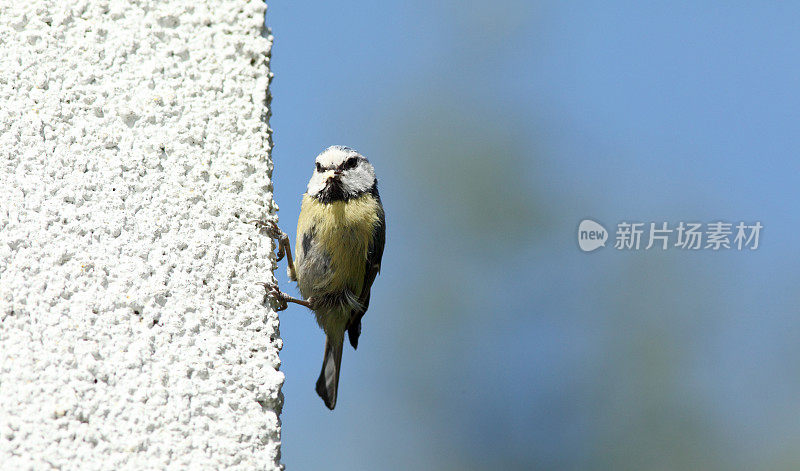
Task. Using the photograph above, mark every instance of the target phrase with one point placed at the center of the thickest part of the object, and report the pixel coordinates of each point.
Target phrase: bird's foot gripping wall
(134, 145)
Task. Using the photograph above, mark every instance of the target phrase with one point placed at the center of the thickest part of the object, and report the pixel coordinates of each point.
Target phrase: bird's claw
(281, 253)
(274, 232)
(271, 228)
(273, 291)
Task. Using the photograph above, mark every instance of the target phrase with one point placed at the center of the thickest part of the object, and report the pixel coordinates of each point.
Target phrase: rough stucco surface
(133, 146)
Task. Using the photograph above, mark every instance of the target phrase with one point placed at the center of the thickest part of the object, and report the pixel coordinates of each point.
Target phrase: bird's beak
(332, 174)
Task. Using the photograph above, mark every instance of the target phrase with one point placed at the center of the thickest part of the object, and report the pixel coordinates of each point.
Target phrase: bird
(341, 234)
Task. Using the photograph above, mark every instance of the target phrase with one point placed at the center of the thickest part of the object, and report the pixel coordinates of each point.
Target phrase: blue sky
(548, 357)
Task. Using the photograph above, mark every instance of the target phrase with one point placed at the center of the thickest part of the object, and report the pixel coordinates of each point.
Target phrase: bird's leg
(272, 229)
(273, 291)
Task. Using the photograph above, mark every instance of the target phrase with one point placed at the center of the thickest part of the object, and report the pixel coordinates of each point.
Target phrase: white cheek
(316, 184)
(360, 180)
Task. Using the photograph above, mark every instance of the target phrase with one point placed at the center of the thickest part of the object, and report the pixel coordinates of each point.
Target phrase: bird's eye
(319, 167)
(351, 163)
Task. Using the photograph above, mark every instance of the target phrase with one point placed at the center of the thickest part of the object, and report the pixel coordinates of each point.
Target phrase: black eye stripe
(350, 163)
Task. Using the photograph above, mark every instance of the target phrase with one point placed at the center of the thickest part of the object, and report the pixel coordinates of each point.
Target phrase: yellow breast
(343, 229)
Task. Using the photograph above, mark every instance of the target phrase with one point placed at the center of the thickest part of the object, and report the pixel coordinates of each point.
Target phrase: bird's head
(341, 173)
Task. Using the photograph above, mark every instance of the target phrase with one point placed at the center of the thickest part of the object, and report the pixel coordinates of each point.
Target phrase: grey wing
(374, 256)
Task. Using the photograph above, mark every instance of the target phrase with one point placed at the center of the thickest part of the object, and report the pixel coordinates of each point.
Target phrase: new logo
(591, 235)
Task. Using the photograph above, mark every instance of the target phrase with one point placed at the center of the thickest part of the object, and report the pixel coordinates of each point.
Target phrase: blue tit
(340, 238)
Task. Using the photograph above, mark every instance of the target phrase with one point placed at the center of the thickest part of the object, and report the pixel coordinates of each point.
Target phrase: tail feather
(328, 382)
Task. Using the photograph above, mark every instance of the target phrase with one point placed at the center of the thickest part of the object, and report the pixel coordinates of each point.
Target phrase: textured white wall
(133, 144)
